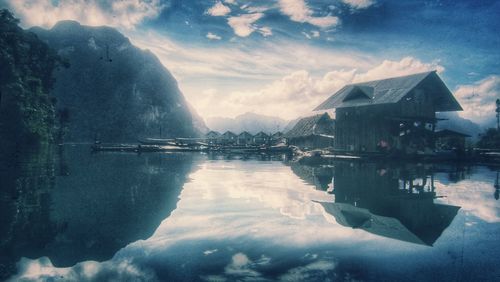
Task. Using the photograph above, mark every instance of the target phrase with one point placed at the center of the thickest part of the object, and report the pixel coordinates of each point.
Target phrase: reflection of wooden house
(244, 138)
(261, 138)
(449, 139)
(394, 203)
(212, 137)
(396, 113)
(228, 137)
(277, 138)
(312, 132)
(321, 177)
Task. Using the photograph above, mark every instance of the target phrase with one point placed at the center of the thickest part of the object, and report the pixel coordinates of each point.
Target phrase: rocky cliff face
(113, 90)
(26, 65)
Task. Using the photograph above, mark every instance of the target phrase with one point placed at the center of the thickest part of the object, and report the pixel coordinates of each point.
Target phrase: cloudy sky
(284, 57)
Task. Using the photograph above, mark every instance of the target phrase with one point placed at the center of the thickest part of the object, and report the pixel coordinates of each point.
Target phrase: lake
(76, 216)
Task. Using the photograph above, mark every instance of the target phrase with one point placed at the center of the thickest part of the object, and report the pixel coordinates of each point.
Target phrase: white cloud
(478, 100)
(315, 33)
(359, 4)
(243, 25)
(299, 11)
(232, 2)
(213, 36)
(265, 31)
(218, 10)
(299, 92)
(405, 66)
(125, 13)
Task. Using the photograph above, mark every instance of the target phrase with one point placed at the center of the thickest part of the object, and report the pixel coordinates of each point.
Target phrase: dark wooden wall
(362, 128)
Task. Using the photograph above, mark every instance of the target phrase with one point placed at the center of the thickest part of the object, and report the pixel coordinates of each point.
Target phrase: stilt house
(212, 137)
(390, 114)
(261, 138)
(312, 132)
(227, 138)
(244, 138)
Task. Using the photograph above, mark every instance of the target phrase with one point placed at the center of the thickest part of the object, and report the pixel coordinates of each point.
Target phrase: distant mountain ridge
(250, 122)
(114, 90)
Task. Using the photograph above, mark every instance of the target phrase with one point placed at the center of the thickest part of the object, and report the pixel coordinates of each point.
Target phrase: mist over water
(72, 215)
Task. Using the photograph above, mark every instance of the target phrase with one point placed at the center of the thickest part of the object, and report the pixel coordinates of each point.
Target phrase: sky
(284, 57)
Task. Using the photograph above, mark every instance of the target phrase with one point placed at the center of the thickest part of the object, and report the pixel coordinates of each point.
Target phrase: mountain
(114, 90)
(250, 122)
(27, 115)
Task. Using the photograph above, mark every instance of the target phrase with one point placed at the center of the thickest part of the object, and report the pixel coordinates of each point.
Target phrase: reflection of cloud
(120, 270)
(308, 272)
(241, 266)
(473, 195)
(227, 200)
(209, 252)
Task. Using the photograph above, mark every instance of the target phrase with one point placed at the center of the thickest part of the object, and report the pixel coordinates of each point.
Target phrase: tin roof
(392, 90)
(312, 125)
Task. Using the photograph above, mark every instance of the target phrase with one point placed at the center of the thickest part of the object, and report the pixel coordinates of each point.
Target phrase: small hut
(312, 132)
(244, 138)
(228, 138)
(448, 139)
(212, 137)
(278, 137)
(261, 138)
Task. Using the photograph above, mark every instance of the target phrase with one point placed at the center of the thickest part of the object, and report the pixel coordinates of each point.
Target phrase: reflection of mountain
(25, 187)
(100, 204)
(394, 203)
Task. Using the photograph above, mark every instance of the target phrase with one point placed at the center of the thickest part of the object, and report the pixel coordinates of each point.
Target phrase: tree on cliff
(27, 114)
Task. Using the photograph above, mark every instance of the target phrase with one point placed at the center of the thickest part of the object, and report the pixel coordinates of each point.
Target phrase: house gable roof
(245, 134)
(391, 90)
(212, 133)
(309, 126)
(261, 135)
(229, 134)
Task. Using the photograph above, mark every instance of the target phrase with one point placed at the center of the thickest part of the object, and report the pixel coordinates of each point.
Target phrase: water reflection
(86, 207)
(395, 203)
(260, 218)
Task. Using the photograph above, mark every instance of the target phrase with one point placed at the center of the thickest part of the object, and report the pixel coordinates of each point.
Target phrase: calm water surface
(77, 216)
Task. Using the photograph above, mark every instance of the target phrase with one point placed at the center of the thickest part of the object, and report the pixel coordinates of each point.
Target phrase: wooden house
(312, 132)
(448, 139)
(244, 138)
(228, 138)
(212, 137)
(261, 138)
(394, 114)
(278, 137)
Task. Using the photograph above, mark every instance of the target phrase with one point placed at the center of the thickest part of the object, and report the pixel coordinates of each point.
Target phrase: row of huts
(244, 138)
(309, 132)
